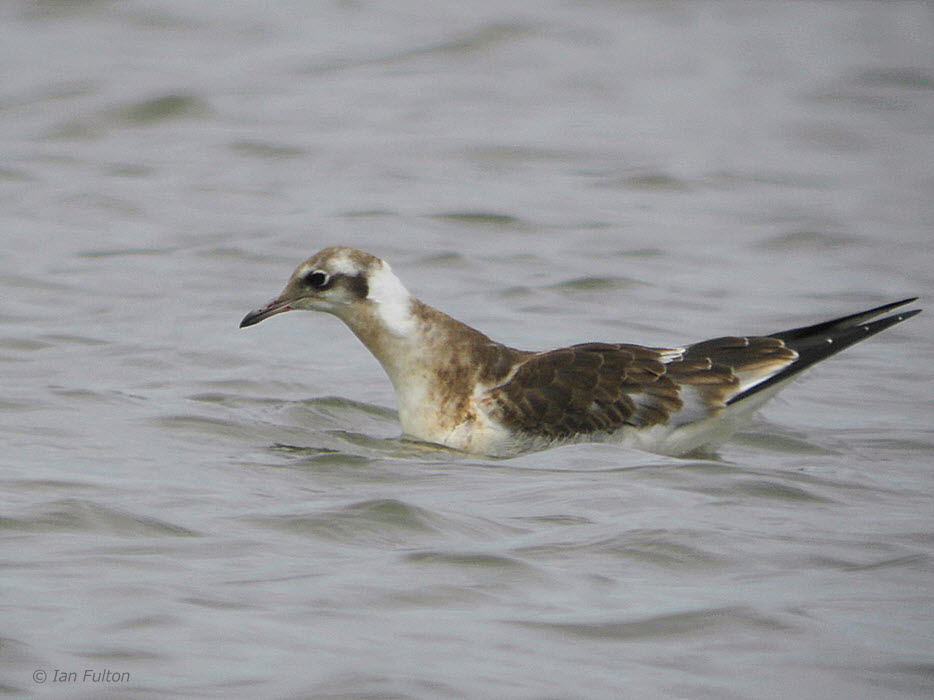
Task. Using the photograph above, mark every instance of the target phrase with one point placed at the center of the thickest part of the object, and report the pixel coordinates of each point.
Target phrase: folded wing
(603, 387)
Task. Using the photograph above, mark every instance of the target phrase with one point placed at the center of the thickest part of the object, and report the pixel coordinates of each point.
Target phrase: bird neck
(433, 361)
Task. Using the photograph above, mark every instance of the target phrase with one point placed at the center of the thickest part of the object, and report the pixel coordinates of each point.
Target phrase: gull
(458, 388)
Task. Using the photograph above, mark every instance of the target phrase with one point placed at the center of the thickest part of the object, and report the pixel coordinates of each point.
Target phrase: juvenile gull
(458, 388)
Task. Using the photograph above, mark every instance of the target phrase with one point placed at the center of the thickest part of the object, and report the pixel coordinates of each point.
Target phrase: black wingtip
(905, 316)
(820, 341)
(828, 327)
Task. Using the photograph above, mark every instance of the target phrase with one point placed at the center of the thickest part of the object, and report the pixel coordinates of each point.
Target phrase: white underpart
(393, 301)
(707, 433)
(693, 408)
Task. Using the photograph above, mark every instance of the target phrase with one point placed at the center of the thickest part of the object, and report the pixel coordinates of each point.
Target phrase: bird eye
(319, 279)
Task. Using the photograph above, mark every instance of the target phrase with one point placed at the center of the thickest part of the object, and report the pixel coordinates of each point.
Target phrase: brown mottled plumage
(602, 387)
(456, 387)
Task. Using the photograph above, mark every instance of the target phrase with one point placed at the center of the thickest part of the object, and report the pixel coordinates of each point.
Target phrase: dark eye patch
(318, 279)
(358, 286)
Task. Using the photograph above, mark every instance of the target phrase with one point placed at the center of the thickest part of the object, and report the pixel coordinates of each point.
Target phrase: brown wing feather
(586, 388)
(736, 362)
(742, 353)
(601, 387)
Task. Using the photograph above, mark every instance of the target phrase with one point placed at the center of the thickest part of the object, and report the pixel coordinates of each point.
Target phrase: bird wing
(601, 387)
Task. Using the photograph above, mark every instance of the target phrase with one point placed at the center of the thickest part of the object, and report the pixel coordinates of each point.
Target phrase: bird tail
(820, 341)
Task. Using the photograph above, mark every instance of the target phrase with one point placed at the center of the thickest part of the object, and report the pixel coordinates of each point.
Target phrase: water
(208, 512)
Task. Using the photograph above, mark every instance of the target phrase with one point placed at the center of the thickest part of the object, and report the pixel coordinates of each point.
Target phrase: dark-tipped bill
(276, 306)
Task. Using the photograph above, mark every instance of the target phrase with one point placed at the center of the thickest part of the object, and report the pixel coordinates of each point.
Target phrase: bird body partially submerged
(458, 388)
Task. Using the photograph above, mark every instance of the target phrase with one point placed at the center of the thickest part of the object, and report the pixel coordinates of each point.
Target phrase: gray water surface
(208, 512)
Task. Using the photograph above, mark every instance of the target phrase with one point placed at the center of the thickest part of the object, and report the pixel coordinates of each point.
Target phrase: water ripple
(381, 522)
(694, 622)
(77, 515)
